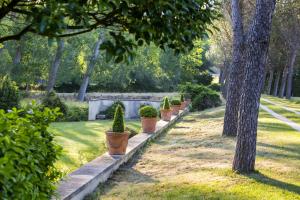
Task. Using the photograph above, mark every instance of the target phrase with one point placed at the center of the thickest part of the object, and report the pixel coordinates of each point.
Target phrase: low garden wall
(85, 180)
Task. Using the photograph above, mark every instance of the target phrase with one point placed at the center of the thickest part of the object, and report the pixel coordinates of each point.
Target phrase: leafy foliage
(206, 99)
(9, 94)
(166, 104)
(76, 113)
(51, 100)
(27, 154)
(193, 89)
(181, 97)
(175, 102)
(148, 111)
(110, 111)
(215, 87)
(204, 78)
(118, 123)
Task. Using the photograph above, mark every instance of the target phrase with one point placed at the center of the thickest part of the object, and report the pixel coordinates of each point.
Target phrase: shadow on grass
(261, 178)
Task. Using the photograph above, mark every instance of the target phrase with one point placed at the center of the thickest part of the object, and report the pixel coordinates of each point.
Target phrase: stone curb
(85, 180)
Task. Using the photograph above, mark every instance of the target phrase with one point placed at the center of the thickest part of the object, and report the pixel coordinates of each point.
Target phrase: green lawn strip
(277, 164)
(292, 104)
(82, 141)
(290, 115)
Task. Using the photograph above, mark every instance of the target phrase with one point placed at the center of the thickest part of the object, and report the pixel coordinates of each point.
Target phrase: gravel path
(281, 118)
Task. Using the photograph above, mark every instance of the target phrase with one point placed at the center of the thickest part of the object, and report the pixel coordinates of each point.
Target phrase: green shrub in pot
(148, 111)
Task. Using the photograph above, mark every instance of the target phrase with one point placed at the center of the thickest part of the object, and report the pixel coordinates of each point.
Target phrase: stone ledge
(85, 180)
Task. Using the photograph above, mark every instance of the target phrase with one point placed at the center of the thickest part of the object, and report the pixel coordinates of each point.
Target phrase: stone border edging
(85, 180)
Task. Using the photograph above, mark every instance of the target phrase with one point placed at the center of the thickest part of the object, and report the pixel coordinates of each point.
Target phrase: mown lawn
(193, 161)
(293, 103)
(82, 141)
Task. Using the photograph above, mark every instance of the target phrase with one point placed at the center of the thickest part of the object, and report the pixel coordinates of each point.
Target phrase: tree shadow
(261, 178)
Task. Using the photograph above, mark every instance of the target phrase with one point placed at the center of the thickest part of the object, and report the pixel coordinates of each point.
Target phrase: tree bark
(283, 82)
(236, 73)
(276, 84)
(55, 64)
(221, 77)
(290, 75)
(88, 73)
(255, 60)
(270, 81)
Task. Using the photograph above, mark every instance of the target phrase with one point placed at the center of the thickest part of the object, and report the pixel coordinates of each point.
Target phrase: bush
(175, 102)
(166, 105)
(193, 89)
(27, 154)
(205, 100)
(204, 78)
(110, 111)
(182, 98)
(118, 123)
(148, 111)
(51, 100)
(215, 87)
(9, 94)
(76, 113)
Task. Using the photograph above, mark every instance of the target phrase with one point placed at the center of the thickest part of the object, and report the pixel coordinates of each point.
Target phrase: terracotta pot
(166, 114)
(117, 142)
(175, 109)
(148, 124)
(183, 105)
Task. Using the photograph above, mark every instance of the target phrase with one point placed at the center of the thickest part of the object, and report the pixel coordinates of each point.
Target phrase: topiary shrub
(205, 100)
(51, 100)
(28, 154)
(9, 94)
(148, 111)
(175, 102)
(118, 123)
(215, 87)
(110, 111)
(182, 98)
(166, 104)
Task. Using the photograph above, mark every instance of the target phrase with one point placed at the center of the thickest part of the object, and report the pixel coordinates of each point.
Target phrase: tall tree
(255, 59)
(236, 72)
(90, 68)
(55, 64)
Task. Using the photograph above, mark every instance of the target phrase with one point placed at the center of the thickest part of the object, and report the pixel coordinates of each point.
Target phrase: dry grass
(193, 161)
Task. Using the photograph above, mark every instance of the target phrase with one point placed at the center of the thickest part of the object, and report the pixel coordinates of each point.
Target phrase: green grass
(82, 141)
(293, 103)
(193, 161)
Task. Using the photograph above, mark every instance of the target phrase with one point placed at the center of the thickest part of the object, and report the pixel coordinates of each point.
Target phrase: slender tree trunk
(283, 82)
(236, 73)
(276, 84)
(221, 77)
(88, 73)
(290, 75)
(55, 65)
(18, 53)
(255, 60)
(270, 81)
(225, 75)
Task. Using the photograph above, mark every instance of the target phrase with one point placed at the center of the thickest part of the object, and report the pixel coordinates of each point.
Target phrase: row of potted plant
(117, 138)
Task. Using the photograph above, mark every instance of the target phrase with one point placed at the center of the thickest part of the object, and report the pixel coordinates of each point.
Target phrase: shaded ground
(193, 161)
(82, 141)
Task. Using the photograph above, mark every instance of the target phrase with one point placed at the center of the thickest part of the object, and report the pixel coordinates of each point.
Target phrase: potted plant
(166, 111)
(175, 106)
(117, 139)
(183, 103)
(148, 116)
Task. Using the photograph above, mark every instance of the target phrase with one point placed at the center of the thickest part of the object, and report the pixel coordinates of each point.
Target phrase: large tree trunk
(283, 82)
(88, 73)
(276, 84)
(55, 65)
(290, 75)
(255, 60)
(270, 81)
(235, 73)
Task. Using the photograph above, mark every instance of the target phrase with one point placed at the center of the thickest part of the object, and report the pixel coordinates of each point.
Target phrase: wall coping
(85, 180)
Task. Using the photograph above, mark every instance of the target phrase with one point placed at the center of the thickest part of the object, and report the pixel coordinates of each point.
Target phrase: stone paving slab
(84, 180)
